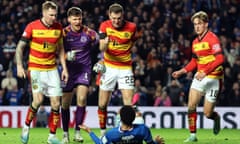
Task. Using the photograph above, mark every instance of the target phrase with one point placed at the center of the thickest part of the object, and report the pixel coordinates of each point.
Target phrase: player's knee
(37, 102)
(55, 104)
(81, 101)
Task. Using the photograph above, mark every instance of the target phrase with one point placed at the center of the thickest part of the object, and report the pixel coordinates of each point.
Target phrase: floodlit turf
(171, 136)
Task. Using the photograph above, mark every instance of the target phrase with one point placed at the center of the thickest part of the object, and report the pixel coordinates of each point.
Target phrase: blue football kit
(136, 135)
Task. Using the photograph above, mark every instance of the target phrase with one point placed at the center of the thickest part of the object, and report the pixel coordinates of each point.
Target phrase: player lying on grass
(127, 132)
(138, 117)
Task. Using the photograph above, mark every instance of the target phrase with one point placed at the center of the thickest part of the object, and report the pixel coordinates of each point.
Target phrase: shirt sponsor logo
(70, 40)
(40, 33)
(56, 33)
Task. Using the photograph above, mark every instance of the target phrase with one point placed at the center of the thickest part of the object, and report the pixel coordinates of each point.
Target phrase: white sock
(51, 135)
(193, 134)
(77, 132)
(103, 131)
(65, 133)
(26, 126)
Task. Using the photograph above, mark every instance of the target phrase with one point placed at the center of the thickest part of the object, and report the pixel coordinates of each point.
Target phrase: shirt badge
(83, 39)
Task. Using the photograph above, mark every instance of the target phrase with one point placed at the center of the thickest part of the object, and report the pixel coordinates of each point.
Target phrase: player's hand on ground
(85, 128)
(159, 140)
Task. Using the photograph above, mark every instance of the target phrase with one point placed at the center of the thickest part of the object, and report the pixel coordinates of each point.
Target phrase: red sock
(30, 115)
(53, 121)
(98, 79)
(192, 119)
(102, 116)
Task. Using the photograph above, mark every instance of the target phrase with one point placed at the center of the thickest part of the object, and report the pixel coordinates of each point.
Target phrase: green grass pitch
(171, 136)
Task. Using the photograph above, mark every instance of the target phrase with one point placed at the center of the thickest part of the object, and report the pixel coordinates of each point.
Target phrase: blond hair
(201, 15)
(49, 5)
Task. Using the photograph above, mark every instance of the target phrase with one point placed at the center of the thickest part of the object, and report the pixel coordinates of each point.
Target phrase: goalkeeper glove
(99, 67)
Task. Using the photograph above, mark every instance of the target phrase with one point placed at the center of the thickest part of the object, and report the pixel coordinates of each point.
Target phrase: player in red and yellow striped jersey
(117, 37)
(208, 60)
(120, 42)
(45, 40)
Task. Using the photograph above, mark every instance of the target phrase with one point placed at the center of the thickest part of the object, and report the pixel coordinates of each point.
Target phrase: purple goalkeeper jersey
(81, 43)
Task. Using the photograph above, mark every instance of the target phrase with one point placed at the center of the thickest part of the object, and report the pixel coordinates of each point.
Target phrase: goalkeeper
(127, 132)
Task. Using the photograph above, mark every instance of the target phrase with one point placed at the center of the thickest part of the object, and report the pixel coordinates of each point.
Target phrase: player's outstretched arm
(85, 128)
(178, 73)
(91, 134)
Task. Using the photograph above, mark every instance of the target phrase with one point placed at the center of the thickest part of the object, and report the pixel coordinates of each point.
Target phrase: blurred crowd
(164, 45)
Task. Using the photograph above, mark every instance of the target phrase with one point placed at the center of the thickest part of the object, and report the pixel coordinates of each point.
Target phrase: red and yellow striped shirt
(207, 56)
(118, 54)
(43, 44)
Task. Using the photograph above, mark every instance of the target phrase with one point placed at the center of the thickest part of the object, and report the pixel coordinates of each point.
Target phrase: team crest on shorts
(35, 86)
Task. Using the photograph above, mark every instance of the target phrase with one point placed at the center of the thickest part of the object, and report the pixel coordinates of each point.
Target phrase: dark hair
(127, 114)
(115, 8)
(74, 11)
